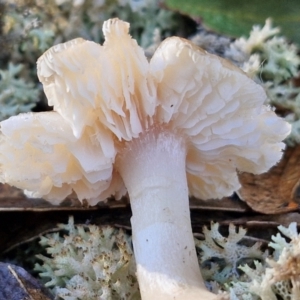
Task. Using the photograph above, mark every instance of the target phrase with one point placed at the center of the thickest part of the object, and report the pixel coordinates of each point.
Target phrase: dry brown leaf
(275, 191)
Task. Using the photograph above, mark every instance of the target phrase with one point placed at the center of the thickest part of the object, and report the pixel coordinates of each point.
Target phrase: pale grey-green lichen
(264, 277)
(278, 59)
(89, 263)
(16, 94)
(222, 256)
(39, 24)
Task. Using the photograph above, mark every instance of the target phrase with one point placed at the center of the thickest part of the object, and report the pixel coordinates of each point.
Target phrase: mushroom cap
(40, 154)
(222, 112)
(113, 92)
(85, 82)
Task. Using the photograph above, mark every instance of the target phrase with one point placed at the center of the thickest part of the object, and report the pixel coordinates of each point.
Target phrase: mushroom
(184, 122)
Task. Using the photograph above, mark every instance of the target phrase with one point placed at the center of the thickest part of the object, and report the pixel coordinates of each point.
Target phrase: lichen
(221, 257)
(284, 268)
(89, 262)
(276, 277)
(280, 278)
(16, 94)
(34, 26)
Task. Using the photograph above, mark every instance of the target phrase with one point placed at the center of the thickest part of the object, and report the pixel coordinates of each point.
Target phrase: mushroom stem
(154, 172)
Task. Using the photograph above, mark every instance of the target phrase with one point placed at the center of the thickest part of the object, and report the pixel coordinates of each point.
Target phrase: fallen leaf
(277, 190)
(236, 18)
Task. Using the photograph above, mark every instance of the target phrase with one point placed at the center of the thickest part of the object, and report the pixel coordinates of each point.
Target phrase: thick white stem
(153, 170)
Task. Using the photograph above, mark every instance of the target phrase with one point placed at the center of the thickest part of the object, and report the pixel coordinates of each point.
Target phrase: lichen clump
(247, 273)
(281, 278)
(221, 256)
(16, 94)
(89, 262)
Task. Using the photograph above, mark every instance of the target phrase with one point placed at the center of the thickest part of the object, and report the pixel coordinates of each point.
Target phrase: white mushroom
(39, 153)
(184, 122)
